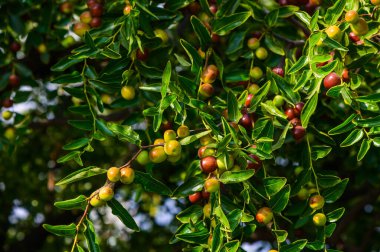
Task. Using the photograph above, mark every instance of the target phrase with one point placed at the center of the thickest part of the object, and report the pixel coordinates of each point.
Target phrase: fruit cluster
(90, 18)
(209, 75)
(293, 115)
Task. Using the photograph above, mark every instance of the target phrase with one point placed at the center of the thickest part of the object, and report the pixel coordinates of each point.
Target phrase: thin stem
(138, 152)
(79, 224)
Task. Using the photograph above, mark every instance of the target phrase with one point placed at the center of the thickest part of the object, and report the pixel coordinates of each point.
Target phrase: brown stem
(138, 152)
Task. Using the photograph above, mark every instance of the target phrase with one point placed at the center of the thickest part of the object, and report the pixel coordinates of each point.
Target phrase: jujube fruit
(80, 28)
(96, 10)
(127, 9)
(222, 165)
(334, 32)
(183, 131)
(7, 115)
(354, 38)
(212, 185)
(10, 133)
(195, 197)
(66, 7)
(279, 71)
(14, 81)
(261, 53)
(142, 55)
(209, 74)
(319, 219)
(256, 164)
(91, 3)
(157, 154)
(96, 22)
(298, 132)
(209, 164)
(290, 114)
(7, 103)
(331, 80)
(128, 92)
(264, 215)
(253, 89)
(169, 135)
(360, 28)
(206, 140)
(246, 121)
(15, 47)
(85, 17)
(247, 102)
(375, 2)
(113, 174)
(256, 73)
(106, 193)
(207, 210)
(96, 201)
(206, 90)
(143, 158)
(352, 16)
(172, 148)
(299, 106)
(278, 101)
(127, 175)
(345, 75)
(253, 43)
(316, 202)
(159, 141)
(205, 195)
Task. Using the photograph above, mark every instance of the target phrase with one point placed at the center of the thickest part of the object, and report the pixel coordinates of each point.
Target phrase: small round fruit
(352, 16)
(172, 148)
(264, 215)
(222, 165)
(10, 134)
(194, 8)
(15, 47)
(375, 2)
(273, 250)
(205, 195)
(299, 106)
(319, 219)
(106, 193)
(127, 175)
(96, 22)
(204, 151)
(91, 3)
(7, 114)
(66, 7)
(298, 132)
(212, 185)
(7, 103)
(183, 131)
(80, 28)
(206, 90)
(254, 165)
(195, 197)
(246, 121)
(213, 8)
(209, 164)
(143, 158)
(157, 154)
(295, 122)
(345, 75)
(303, 194)
(113, 174)
(360, 28)
(253, 89)
(14, 81)
(354, 38)
(206, 140)
(85, 17)
(334, 32)
(261, 53)
(169, 135)
(41, 48)
(316, 202)
(278, 101)
(127, 9)
(290, 114)
(159, 141)
(279, 71)
(331, 80)
(248, 100)
(253, 43)
(209, 74)
(128, 92)
(96, 10)
(162, 35)
(68, 41)
(207, 210)
(256, 73)
(142, 56)
(96, 202)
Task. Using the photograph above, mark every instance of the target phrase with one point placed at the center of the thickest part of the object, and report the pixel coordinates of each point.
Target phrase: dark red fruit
(208, 164)
(205, 195)
(142, 55)
(299, 106)
(91, 3)
(298, 132)
(282, 2)
(354, 38)
(215, 38)
(8, 102)
(254, 165)
(345, 75)
(213, 8)
(195, 197)
(290, 113)
(246, 121)
(248, 100)
(13, 81)
(331, 80)
(278, 71)
(295, 122)
(96, 22)
(96, 10)
(194, 8)
(15, 47)
(201, 151)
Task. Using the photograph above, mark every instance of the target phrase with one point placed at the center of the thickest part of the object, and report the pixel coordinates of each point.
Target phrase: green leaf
(274, 45)
(81, 124)
(122, 213)
(89, 233)
(166, 79)
(328, 180)
(201, 31)
(369, 98)
(273, 110)
(217, 239)
(196, 60)
(81, 174)
(231, 246)
(329, 229)
(151, 184)
(79, 202)
(294, 246)
(281, 235)
(260, 95)
(194, 237)
(190, 214)
(281, 139)
(335, 215)
(345, 126)
(124, 133)
(334, 12)
(76, 144)
(273, 185)
(368, 122)
(109, 53)
(190, 186)
(309, 109)
(334, 193)
(234, 113)
(225, 24)
(279, 201)
(64, 63)
(192, 138)
(61, 230)
(222, 217)
(301, 62)
(320, 151)
(315, 245)
(74, 77)
(229, 177)
(364, 148)
(352, 138)
(69, 156)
